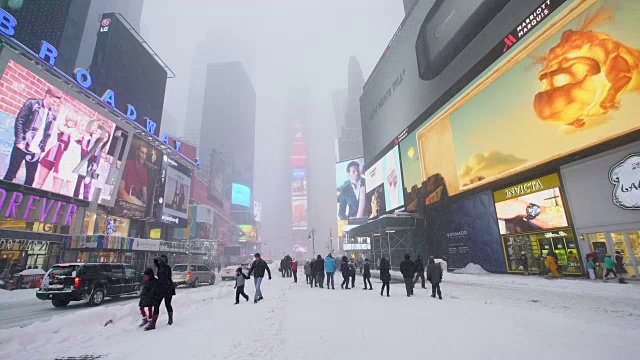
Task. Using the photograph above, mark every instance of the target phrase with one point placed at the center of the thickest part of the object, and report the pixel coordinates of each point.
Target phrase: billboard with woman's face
(172, 206)
(51, 141)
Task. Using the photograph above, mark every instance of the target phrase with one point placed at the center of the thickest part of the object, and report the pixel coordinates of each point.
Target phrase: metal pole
(313, 241)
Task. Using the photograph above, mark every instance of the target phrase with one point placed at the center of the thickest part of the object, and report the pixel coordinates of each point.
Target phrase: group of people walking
(154, 291)
(414, 271)
(289, 268)
(320, 268)
(612, 266)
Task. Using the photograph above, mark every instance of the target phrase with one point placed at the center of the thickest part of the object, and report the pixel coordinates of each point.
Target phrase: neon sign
(48, 53)
(18, 206)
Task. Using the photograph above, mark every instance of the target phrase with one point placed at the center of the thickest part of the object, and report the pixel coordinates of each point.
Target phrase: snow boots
(170, 322)
(152, 325)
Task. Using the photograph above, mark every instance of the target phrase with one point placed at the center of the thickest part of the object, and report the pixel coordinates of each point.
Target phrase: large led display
(240, 195)
(51, 141)
(139, 179)
(569, 86)
(173, 203)
(299, 214)
(249, 233)
(350, 189)
(384, 185)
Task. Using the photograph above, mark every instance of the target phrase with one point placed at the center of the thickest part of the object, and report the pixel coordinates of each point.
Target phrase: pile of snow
(32, 272)
(472, 269)
(17, 295)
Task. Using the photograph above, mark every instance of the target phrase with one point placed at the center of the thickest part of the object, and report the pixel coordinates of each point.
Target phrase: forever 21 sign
(625, 176)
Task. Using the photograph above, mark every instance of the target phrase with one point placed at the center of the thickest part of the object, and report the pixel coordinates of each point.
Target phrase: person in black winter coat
(352, 273)
(419, 271)
(346, 273)
(312, 268)
(407, 268)
(620, 268)
(434, 275)
(165, 290)
(320, 271)
(147, 296)
(258, 268)
(385, 275)
(366, 274)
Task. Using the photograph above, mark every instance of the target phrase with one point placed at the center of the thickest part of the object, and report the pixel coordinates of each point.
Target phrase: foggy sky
(283, 44)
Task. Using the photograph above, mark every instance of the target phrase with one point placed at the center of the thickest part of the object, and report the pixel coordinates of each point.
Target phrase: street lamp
(312, 237)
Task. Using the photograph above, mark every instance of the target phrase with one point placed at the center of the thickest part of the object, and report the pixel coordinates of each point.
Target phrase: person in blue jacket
(330, 269)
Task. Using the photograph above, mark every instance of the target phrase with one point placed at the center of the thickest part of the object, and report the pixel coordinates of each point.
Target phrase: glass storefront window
(620, 244)
(538, 244)
(598, 244)
(89, 222)
(634, 244)
(12, 224)
(120, 225)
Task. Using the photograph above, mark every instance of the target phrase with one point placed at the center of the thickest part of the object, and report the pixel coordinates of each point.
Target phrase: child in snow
(147, 296)
(591, 267)
(240, 277)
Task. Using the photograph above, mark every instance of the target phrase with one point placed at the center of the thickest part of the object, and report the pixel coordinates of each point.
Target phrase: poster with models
(572, 84)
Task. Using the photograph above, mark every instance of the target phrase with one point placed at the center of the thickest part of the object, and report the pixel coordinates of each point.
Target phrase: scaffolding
(391, 237)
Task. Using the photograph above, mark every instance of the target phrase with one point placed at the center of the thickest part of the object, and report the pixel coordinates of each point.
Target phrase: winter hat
(366, 260)
(165, 258)
(257, 255)
(407, 257)
(149, 271)
(239, 269)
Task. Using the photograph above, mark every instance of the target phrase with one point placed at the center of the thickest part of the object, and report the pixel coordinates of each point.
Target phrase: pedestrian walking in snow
(312, 268)
(385, 275)
(419, 271)
(240, 278)
(524, 262)
(320, 271)
(346, 273)
(609, 266)
(591, 267)
(330, 269)
(619, 266)
(258, 268)
(366, 274)
(294, 270)
(407, 268)
(352, 273)
(552, 265)
(281, 268)
(147, 296)
(307, 271)
(165, 291)
(434, 275)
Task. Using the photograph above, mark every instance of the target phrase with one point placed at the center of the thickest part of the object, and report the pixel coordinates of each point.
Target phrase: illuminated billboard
(173, 204)
(299, 214)
(384, 185)
(534, 205)
(350, 189)
(249, 233)
(298, 184)
(240, 195)
(565, 89)
(51, 141)
(139, 179)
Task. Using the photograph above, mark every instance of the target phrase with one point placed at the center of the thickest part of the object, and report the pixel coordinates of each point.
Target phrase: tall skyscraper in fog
(350, 133)
(407, 5)
(229, 119)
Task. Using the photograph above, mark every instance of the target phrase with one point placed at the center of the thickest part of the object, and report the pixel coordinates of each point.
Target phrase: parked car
(91, 282)
(192, 275)
(229, 272)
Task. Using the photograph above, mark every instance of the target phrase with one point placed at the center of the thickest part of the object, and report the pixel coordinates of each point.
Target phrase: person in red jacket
(294, 270)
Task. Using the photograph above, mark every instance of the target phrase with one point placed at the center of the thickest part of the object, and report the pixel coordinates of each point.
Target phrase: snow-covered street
(481, 317)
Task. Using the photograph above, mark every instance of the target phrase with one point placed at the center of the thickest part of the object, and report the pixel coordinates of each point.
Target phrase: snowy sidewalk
(481, 317)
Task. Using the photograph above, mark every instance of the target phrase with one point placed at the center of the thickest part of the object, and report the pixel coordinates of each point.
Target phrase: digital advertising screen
(139, 179)
(173, 202)
(51, 141)
(249, 233)
(299, 184)
(350, 189)
(384, 185)
(551, 97)
(299, 214)
(240, 195)
(125, 65)
(216, 184)
(531, 206)
(202, 216)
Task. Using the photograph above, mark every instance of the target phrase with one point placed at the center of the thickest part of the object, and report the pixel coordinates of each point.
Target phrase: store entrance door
(627, 242)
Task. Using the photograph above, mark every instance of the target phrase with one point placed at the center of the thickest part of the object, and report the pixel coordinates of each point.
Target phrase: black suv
(89, 282)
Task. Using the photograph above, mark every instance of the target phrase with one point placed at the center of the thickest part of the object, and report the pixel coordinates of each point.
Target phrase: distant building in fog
(228, 120)
(350, 127)
(407, 5)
